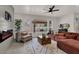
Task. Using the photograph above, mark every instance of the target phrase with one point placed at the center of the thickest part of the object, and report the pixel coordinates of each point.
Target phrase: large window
(40, 26)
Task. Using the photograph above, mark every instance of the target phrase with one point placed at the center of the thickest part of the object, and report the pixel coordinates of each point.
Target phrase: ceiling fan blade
(56, 10)
(53, 7)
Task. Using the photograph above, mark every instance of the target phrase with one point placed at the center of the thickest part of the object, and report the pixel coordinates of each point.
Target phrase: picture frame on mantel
(8, 16)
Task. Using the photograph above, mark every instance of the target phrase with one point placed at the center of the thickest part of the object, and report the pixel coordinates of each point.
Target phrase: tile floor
(32, 47)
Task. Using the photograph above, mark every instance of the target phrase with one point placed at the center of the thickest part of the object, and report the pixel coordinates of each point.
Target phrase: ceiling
(42, 10)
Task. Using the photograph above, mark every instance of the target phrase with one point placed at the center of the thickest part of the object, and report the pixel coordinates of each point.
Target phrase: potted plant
(64, 27)
(18, 26)
(67, 25)
(61, 26)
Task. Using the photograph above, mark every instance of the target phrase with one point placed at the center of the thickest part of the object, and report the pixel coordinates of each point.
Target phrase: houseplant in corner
(18, 26)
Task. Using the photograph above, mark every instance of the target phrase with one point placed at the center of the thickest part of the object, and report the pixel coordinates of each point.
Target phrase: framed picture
(7, 16)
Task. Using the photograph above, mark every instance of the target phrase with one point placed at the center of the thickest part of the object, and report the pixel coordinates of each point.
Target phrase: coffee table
(44, 40)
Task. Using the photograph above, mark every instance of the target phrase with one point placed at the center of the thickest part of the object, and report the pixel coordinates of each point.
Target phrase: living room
(36, 21)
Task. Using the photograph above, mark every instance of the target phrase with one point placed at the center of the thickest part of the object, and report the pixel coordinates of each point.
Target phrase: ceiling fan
(52, 9)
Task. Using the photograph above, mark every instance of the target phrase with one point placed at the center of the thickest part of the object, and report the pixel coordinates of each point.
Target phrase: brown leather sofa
(68, 42)
(5, 35)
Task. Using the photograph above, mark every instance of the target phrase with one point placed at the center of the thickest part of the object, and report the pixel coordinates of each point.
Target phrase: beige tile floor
(32, 47)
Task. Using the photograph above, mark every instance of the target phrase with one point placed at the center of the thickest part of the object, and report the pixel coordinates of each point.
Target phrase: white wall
(56, 21)
(27, 21)
(70, 20)
(5, 25)
(66, 15)
(76, 17)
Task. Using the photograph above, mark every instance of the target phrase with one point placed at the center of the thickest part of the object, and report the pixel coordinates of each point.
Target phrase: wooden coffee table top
(40, 36)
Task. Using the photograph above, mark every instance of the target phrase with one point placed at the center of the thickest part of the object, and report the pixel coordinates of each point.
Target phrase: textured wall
(5, 25)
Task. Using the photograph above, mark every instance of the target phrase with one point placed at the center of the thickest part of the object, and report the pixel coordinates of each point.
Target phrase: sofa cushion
(61, 37)
(67, 35)
(77, 38)
(72, 36)
(24, 33)
(69, 46)
(71, 42)
(61, 34)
